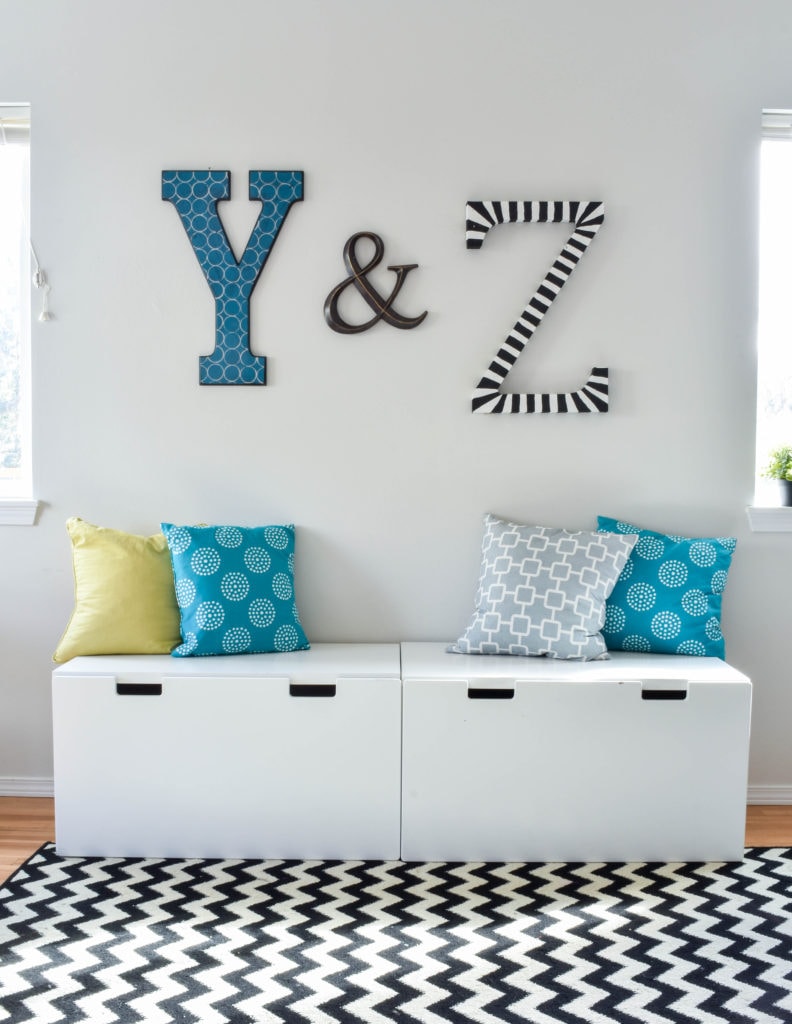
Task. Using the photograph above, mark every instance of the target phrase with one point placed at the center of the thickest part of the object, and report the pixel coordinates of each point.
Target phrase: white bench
(260, 755)
(641, 757)
(381, 751)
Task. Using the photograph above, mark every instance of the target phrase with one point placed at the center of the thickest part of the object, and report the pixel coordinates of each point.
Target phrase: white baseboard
(770, 794)
(32, 786)
(25, 785)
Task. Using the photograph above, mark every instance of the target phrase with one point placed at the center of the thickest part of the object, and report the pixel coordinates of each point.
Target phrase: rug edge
(24, 864)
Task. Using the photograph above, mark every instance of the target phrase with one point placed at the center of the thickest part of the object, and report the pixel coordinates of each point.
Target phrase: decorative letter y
(195, 195)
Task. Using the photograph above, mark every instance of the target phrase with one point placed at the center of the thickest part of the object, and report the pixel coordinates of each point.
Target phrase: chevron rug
(125, 940)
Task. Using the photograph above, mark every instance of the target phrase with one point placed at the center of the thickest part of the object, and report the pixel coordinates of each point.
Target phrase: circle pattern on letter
(195, 195)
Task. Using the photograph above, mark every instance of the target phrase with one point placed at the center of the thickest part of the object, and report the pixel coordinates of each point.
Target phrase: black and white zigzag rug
(157, 941)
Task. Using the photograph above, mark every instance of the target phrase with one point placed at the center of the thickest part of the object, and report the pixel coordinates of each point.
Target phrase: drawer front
(565, 771)
(207, 766)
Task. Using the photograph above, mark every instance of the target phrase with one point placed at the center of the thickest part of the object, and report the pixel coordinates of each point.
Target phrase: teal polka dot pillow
(235, 589)
(667, 599)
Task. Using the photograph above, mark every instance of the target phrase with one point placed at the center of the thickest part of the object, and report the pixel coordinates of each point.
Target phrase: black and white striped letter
(587, 217)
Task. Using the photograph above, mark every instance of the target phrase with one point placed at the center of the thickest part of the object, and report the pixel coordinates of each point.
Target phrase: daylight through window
(774, 392)
(15, 462)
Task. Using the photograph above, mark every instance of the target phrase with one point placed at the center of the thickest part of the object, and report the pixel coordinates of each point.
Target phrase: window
(774, 384)
(15, 281)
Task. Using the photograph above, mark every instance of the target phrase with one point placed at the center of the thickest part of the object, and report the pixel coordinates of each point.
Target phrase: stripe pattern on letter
(588, 217)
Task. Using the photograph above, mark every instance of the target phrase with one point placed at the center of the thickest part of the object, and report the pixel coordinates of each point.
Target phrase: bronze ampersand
(382, 307)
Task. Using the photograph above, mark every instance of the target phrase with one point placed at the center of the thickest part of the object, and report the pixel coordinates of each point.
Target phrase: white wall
(397, 114)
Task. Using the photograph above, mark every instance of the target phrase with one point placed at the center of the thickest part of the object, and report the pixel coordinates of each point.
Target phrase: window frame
(17, 506)
(773, 518)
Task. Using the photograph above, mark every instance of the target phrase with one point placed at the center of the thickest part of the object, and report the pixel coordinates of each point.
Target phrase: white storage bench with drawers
(257, 755)
(382, 751)
(641, 757)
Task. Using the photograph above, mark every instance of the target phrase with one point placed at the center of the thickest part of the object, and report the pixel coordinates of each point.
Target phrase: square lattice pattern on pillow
(542, 591)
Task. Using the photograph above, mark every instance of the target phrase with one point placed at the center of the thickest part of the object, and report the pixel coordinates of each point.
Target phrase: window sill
(18, 511)
(776, 519)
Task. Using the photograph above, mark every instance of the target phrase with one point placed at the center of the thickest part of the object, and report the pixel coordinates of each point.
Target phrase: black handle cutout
(663, 694)
(484, 693)
(312, 689)
(139, 689)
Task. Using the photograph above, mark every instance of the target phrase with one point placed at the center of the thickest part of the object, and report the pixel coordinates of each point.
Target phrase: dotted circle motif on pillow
(668, 597)
(695, 647)
(190, 643)
(234, 586)
(179, 540)
(228, 536)
(641, 596)
(285, 638)
(673, 573)
(185, 593)
(205, 561)
(276, 537)
(695, 602)
(261, 612)
(258, 560)
(235, 589)
(209, 615)
(703, 554)
(614, 620)
(236, 640)
(719, 581)
(650, 548)
(666, 625)
(281, 586)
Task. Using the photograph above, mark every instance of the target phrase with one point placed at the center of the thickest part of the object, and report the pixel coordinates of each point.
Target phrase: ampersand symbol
(383, 308)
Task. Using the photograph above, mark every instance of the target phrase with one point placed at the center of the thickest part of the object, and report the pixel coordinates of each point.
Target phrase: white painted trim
(11, 785)
(770, 520)
(31, 786)
(18, 511)
(770, 794)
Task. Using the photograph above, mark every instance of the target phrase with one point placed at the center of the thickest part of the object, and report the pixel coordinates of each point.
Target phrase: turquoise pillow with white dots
(667, 599)
(235, 589)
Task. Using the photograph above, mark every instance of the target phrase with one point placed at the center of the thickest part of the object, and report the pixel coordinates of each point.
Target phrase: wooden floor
(27, 822)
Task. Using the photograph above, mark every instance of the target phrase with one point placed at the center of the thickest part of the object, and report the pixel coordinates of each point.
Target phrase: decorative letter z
(587, 218)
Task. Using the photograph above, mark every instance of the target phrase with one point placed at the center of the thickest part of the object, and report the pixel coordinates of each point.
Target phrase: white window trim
(18, 511)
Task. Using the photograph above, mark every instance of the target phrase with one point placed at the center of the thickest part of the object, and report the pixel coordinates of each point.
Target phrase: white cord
(45, 314)
(40, 281)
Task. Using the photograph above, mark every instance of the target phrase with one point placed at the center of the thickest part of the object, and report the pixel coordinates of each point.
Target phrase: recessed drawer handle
(485, 693)
(312, 689)
(663, 694)
(139, 689)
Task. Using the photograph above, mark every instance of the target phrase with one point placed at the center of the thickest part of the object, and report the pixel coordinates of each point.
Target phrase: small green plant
(780, 465)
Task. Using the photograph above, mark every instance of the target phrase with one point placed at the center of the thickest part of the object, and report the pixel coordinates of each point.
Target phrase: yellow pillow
(124, 594)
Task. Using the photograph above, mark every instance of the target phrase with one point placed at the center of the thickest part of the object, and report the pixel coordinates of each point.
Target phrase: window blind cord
(40, 281)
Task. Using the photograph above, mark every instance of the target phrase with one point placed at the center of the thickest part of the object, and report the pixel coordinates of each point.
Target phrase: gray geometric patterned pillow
(542, 591)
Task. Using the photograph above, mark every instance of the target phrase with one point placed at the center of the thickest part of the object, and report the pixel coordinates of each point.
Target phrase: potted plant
(780, 468)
